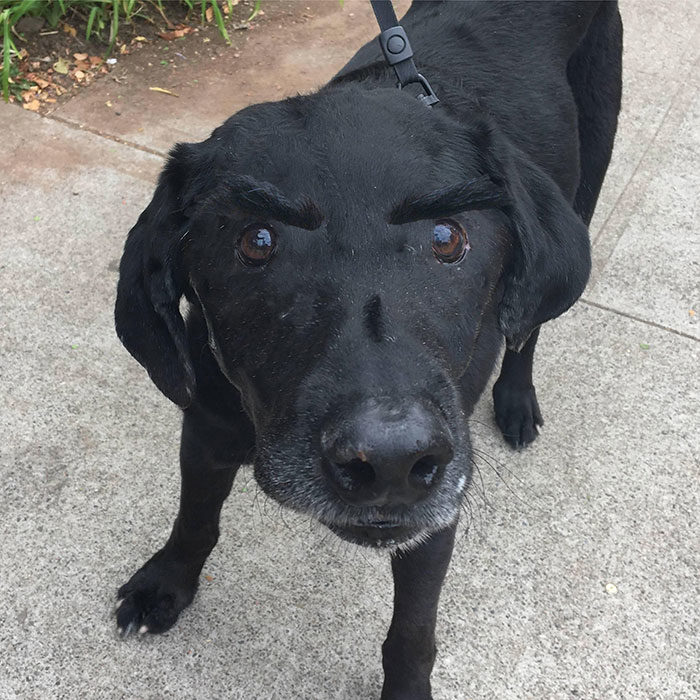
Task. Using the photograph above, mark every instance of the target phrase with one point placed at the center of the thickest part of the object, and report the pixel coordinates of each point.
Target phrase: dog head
(357, 258)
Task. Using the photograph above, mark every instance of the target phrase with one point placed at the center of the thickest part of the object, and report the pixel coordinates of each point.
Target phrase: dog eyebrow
(265, 199)
(479, 193)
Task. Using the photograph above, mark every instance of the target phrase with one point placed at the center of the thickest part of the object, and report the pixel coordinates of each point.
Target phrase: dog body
(351, 261)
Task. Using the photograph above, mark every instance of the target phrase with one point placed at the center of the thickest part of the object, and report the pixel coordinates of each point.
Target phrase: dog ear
(551, 259)
(151, 282)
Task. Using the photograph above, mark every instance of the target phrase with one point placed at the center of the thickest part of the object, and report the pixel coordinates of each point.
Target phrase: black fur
(346, 366)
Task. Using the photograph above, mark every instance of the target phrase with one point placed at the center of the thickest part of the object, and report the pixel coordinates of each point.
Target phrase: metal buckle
(429, 98)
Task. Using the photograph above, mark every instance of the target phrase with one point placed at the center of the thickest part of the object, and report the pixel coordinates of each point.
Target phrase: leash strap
(397, 51)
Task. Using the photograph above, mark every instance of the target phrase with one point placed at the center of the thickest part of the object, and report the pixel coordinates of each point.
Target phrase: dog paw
(154, 597)
(517, 413)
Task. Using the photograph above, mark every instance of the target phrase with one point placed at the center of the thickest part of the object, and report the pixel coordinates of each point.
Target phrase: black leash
(397, 51)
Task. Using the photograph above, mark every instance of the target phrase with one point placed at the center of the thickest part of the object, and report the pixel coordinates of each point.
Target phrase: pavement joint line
(672, 101)
(124, 142)
(645, 321)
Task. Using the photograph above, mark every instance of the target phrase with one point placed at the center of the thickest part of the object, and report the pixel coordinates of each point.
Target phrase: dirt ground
(58, 63)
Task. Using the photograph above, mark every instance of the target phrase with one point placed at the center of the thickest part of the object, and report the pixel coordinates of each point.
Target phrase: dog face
(356, 258)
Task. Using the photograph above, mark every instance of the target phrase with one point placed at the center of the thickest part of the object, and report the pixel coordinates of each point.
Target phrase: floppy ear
(551, 259)
(151, 283)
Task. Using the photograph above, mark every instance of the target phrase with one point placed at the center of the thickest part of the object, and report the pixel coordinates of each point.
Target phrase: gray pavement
(580, 574)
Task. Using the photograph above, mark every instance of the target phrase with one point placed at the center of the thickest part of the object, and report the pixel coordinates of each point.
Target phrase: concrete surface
(610, 494)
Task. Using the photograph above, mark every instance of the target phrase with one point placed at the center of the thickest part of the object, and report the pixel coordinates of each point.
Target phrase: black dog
(351, 260)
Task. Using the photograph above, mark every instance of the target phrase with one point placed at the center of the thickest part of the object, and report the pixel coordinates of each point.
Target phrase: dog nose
(386, 455)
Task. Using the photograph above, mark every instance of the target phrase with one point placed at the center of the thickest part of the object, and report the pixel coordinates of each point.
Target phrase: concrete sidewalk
(580, 575)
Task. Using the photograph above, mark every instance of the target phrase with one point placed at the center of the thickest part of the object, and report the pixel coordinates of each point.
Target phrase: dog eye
(450, 242)
(257, 244)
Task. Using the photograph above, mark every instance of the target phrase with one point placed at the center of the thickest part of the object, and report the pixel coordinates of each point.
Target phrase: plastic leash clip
(399, 54)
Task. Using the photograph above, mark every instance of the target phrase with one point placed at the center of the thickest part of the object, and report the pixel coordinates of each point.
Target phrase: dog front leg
(409, 649)
(165, 585)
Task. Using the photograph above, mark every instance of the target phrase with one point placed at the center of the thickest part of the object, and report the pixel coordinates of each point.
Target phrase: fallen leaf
(61, 66)
(209, 578)
(80, 56)
(69, 30)
(164, 91)
(123, 49)
(209, 14)
(33, 106)
(41, 82)
(51, 99)
(95, 60)
(79, 75)
(139, 38)
(83, 65)
(176, 33)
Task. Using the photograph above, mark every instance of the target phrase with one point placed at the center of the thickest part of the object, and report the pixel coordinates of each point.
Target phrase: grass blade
(255, 11)
(6, 44)
(220, 21)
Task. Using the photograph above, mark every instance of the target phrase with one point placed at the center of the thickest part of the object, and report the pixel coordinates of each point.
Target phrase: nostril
(425, 471)
(354, 475)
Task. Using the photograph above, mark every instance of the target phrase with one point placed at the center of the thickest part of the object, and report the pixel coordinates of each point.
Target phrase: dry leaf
(123, 49)
(79, 75)
(176, 33)
(80, 56)
(32, 106)
(95, 60)
(70, 30)
(139, 38)
(164, 91)
(61, 66)
(209, 14)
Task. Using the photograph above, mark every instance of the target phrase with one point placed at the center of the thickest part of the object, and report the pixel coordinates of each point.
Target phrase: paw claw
(517, 413)
(150, 602)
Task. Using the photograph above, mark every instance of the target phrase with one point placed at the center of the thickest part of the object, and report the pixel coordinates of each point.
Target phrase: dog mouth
(379, 534)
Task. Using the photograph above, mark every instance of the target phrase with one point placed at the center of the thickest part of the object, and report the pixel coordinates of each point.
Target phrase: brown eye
(257, 244)
(450, 242)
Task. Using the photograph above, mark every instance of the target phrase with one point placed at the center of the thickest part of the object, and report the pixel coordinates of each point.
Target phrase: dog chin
(375, 535)
(381, 535)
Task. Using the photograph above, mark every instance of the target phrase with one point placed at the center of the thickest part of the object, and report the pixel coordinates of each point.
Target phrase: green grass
(102, 20)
